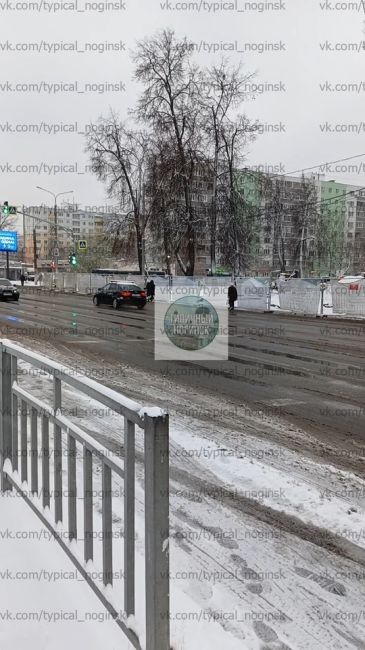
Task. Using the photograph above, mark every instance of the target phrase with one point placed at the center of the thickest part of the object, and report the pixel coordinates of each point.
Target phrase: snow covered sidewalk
(44, 602)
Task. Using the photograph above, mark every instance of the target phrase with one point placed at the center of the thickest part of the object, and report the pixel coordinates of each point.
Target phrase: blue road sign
(8, 241)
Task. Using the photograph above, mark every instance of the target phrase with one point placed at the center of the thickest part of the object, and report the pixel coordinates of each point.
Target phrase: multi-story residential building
(354, 230)
(285, 219)
(73, 224)
(331, 226)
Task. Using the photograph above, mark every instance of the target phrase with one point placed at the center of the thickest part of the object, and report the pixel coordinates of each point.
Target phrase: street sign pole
(7, 265)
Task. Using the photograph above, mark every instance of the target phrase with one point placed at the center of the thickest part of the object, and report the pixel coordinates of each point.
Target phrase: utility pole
(24, 241)
(35, 249)
(144, 226)
(301, 254)
(55, 235)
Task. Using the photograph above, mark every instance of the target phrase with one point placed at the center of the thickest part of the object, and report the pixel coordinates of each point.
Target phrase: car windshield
(5, 282)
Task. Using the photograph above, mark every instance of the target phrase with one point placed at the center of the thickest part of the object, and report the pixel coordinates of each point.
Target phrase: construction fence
(306, 296)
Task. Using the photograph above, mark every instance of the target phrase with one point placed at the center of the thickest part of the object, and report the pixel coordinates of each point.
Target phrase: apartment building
(354, 231)
(73, 224)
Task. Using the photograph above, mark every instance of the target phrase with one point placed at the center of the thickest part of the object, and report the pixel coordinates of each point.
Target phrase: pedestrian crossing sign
(82, 245)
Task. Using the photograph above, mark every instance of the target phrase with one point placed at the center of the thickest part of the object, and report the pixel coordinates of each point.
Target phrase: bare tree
(222, 90)
(331, 249)
(291, 210)
(168, 105)
(304, 220)
(119, 157)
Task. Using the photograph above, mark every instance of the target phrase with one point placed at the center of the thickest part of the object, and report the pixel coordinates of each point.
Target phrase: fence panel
(349, 298)
(48, 280)
(300, 296)
(253, 294)
(69, 282)
(97, 281)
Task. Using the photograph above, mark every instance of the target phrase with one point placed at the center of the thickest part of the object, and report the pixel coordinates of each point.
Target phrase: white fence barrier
(253, 294)
(349, 298)
(212, 289)
(300, 296)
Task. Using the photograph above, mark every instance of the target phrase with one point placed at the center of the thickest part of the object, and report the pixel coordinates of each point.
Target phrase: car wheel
(96, 301)
(115, 304)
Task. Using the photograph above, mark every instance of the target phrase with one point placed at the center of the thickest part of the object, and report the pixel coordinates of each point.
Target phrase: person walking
(22, 279)
(232, 296)
(150, 286)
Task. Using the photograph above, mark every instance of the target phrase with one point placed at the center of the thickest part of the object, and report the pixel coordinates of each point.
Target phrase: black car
(7, 290)
(118, 294)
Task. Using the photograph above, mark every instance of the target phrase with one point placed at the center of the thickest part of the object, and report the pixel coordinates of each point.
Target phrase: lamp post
(55, 197)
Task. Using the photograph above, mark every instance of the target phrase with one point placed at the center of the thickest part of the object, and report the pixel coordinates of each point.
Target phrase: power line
(332, 162)
(296, 171)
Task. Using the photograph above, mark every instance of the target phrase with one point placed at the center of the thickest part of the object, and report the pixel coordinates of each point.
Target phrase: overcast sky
(301, 63)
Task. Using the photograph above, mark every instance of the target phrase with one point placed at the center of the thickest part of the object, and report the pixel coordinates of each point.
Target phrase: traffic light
(7, 209)
(72, 259)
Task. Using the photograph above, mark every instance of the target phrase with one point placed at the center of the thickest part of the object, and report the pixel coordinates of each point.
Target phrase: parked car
(117, 294)
(7, 290)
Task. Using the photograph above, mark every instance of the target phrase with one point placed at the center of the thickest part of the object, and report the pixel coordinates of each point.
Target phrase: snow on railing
(19, 406)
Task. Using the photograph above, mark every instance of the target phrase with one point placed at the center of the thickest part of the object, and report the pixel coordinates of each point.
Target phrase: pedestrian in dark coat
(150, 286)
(22, 279)
(232, 296)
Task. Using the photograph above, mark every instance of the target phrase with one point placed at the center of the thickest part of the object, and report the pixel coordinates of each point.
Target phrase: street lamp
(55, 196)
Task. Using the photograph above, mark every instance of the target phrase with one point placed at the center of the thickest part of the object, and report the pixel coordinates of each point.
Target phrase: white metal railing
(19, 406)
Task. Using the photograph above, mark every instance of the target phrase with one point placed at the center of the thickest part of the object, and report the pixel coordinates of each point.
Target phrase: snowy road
(309, 373)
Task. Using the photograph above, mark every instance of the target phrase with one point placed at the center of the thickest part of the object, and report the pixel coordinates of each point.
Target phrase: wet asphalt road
(309, 371)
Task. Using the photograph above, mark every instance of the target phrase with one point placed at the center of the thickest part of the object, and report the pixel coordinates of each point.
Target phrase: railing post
(24, 441)
(72, 488)
(88, 504)
(129, 524)
(6, 438)
(45, 461)
(57, 405)
(107, 524)
(33, 451)
(157, 532)
(15, 415)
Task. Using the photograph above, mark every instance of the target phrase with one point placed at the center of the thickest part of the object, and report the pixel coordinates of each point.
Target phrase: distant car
(7, 290)
(118, 294)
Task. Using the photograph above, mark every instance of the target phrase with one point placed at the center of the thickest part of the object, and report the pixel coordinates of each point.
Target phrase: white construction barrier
(70, 282)
(162, 289)
(48, 280)
(300, 296)
(349, 299)
(253, 294)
